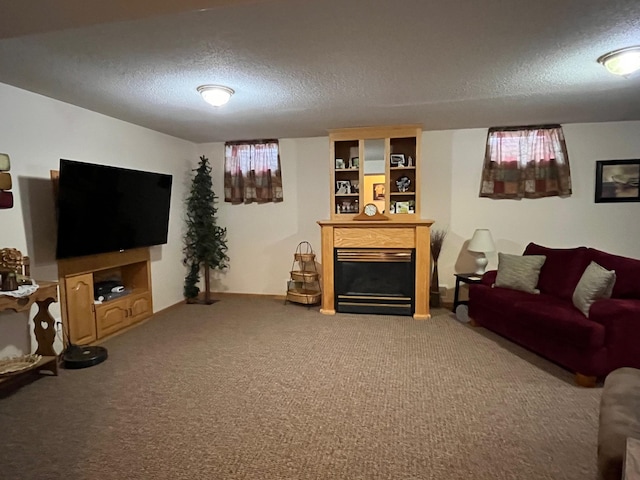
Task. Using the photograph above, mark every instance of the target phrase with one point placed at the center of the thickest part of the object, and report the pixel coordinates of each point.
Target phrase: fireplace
(375, 280)
(382, 249)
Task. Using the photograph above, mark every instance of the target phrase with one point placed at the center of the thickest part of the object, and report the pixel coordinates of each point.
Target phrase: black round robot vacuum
(77, 356)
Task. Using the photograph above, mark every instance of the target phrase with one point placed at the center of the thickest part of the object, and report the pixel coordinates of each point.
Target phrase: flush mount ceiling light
(216, 95)
(622, 62)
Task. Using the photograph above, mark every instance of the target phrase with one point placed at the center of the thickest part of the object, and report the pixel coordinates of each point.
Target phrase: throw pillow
(596, 282)
(519, 272)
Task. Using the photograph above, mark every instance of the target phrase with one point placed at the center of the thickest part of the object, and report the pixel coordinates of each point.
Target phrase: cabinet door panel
(81, 323)
(140, 307)
(112, 316)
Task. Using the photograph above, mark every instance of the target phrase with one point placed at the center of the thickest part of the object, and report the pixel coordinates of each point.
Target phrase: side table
(468, 278)
(43, 326)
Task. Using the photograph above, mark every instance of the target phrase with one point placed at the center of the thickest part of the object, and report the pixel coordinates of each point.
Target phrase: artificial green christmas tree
(205, 242)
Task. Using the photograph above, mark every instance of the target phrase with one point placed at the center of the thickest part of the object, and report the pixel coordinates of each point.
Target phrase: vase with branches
(205, 245)
(437, 239)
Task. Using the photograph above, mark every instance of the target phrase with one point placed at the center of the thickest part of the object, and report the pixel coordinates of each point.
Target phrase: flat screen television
(107, 209)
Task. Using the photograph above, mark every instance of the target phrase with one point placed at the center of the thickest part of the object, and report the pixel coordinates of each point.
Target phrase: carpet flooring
(253, 388)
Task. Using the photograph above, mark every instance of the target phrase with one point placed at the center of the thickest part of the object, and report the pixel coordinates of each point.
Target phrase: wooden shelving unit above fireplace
(378, 165)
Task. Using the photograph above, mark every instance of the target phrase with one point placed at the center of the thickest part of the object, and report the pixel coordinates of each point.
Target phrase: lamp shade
(482, 241)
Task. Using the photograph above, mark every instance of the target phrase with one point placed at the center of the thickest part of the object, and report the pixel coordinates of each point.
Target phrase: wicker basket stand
(304, 284)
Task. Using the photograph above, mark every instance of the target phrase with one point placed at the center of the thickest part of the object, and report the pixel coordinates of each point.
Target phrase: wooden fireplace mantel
(377, 234)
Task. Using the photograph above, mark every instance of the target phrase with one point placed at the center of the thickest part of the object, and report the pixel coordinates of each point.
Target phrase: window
(252, 172)
(526, 162)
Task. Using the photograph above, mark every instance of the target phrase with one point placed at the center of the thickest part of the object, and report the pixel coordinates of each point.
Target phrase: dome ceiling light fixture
(624, 61)
(216, 95)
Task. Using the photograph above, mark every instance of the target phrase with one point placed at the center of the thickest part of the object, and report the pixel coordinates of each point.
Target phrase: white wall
(263, 238)
(451, 176)
(36, 132)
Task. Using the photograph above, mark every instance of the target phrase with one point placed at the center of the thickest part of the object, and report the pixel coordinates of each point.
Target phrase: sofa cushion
(560, 322)
(561, 270)
(627, 273)
(519, 272)
(596, 282)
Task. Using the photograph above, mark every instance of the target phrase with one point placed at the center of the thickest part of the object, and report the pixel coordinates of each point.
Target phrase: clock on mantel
(370, 212)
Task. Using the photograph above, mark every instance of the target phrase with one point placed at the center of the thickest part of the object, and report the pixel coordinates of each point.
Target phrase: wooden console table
(44, 327)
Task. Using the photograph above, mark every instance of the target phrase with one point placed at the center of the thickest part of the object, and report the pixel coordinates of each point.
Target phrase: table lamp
(481, 243)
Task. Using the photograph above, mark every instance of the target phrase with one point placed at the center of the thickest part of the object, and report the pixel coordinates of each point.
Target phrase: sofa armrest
(489, 277)
(621, 320)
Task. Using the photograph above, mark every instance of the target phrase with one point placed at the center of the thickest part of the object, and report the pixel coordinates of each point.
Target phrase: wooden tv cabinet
(87, 321)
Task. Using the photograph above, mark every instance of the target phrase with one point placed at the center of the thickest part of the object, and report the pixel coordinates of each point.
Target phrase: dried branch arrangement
(437, 239)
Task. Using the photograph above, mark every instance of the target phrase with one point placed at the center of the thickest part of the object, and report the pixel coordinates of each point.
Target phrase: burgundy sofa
(548, 323)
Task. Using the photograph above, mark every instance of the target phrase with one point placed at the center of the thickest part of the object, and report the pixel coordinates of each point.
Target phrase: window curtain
(526, 162)
(252, 172)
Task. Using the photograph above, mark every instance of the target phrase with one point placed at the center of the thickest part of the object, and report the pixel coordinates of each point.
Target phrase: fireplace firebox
(375, 280)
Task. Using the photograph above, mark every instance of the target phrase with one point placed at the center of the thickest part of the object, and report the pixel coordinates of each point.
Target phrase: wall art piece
(617, 181)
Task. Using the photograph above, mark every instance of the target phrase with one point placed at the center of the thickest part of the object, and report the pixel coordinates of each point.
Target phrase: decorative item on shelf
(304, 284)
(339, 163)
(437, 239)
(9, 281)
(370, 212)
(378, 191)
(397, 160)
(355, 186)
(401, 207)
(481, 243)
(343, 187)
(12, 261)
(403, 183)
(13, 365)
(410, 161)
(355, 162)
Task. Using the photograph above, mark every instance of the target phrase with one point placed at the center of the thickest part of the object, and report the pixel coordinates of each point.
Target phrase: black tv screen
(107, 209)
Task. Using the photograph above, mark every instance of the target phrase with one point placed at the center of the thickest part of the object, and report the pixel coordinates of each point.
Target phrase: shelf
(373, 146)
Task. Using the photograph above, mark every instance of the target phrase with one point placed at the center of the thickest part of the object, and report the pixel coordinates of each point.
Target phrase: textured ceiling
(302, 67)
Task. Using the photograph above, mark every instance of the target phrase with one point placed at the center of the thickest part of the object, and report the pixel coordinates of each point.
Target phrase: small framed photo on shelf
(402, 207)
(339, 163)
(617, 181)
(397, 160)
(378, 191)
(343, 187)
(355, 162)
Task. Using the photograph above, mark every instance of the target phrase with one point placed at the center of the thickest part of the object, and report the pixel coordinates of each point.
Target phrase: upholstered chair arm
(621, 319)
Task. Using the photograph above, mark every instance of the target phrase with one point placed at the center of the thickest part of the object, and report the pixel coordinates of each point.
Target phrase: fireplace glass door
(373, 280)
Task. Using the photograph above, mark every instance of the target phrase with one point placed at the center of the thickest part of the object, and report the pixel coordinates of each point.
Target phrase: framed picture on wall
(617, 181)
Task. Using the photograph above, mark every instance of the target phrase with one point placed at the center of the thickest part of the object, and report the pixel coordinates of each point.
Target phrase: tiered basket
(304, 284)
